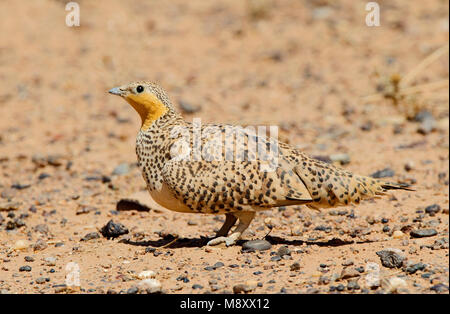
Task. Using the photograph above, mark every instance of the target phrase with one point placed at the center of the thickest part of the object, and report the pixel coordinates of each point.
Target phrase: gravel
(113, 230)
(91, 236)
(433, 209)
(121, 169)
(25, 268)
(423, 233)
(256, 245)
(391, 258)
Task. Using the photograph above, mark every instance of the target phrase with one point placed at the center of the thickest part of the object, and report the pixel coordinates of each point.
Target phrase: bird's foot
(229, 241)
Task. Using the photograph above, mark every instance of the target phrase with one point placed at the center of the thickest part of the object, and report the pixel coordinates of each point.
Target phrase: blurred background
(372, 99)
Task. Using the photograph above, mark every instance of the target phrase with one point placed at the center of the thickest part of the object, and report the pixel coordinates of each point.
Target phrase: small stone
(187, 107)
(113, 230)
(146, 274)
(391, 258)
(41, 228)
(256, 245)
(340, 287)
(218, 265)
(275, 258)
(25, 268)
(50, 261)
(397, 234)
(433, 209)
(150, 285)
(349, 273)
(91, 236)
(324, 280)
(40, 245)
(133, 290)
(42, 280)
(353, 285)
(242, 288)
(343, 159)
(284, 250)
(197, 286)
(411, 269)
(409, 166)
(29, 259)
(121, 169)
(385, 173)
(21, 245)
(439, 288)
(423, 233)
(347, 263)
(295, 266)
(427, 126)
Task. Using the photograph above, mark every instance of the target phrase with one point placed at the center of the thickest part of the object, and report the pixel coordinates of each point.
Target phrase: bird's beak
(116, 91)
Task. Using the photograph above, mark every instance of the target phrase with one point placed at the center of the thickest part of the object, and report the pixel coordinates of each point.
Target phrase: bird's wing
(216, 185)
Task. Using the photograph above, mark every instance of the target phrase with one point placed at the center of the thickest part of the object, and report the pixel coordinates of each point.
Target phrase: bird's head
(147, 98)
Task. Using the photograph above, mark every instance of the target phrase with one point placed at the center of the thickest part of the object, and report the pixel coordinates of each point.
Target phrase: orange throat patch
(149, 107)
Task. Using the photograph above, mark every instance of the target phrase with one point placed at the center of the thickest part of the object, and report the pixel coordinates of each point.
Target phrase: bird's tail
(330, 186)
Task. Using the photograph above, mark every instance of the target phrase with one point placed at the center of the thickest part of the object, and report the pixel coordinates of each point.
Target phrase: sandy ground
(301, 65)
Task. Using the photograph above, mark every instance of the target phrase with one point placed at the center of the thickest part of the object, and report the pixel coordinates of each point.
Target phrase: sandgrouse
(225, 169)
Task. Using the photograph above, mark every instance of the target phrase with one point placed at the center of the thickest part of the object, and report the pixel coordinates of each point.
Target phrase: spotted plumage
(224, 169)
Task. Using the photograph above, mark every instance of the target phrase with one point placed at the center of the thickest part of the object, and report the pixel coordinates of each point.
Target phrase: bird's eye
(140, 89)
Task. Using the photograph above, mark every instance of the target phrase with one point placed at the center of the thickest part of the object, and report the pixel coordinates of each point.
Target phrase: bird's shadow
(171, 242)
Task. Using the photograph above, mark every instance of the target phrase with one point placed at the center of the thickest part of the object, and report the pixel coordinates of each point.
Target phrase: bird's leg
(244, 221)
(230, 220)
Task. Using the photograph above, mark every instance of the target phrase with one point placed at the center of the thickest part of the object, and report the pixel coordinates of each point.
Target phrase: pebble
(121, 169)
(50, 261)
(295, 266)
(411, 269)
(133, 290)
(439, 288)
(284, 250)
(40, 245)
(343, 159)
(150, 285)
(391, 258)
(113, 230)
(385, 173)
(197, 286)
(433, 209)
(41, 228)
(423, 233)
(427, 126)
(29, 259)
(25, 268)
(91, 236)
(243, 288)
(397, 234)
(349, 273)
(256, 245)
(187, 107)
(275, 258)
(21, 245)
(42, 280)
(353, 285)
(146, 274)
